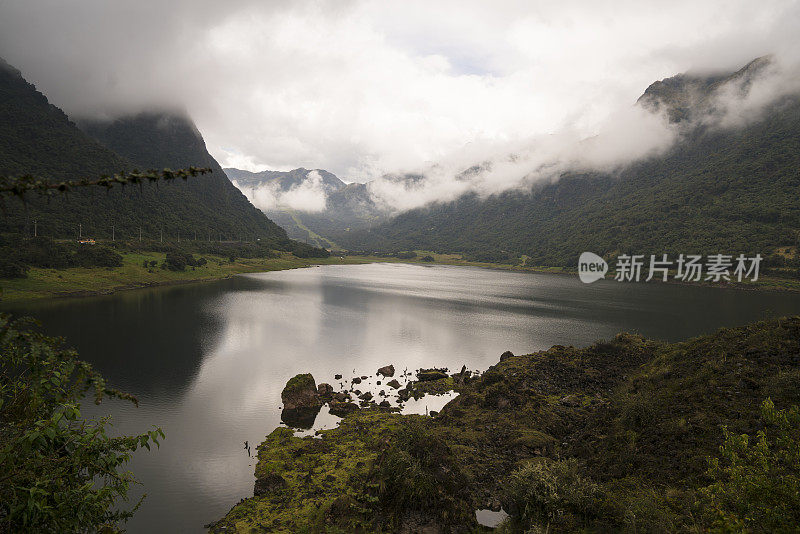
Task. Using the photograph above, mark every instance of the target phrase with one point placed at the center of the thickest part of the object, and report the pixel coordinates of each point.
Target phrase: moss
(299, 383)
(636, 419)
(329, 480)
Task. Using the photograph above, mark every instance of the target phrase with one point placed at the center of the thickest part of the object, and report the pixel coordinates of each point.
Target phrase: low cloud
(308, 195)
(366, 88)
(630, 134)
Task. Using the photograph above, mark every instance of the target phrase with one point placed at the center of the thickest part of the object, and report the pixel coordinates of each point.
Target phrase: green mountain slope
(718, 190)
(38, 138)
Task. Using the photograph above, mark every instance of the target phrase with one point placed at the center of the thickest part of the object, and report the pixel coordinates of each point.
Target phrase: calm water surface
(208, 361)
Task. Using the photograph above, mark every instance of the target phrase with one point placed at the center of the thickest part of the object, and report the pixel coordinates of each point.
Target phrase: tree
(757, 479)
(59, 472)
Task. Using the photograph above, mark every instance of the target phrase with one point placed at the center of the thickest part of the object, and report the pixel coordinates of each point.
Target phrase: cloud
(308, 195)
(364, 87)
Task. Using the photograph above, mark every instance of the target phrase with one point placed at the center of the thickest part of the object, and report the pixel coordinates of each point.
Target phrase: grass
(49, 283)
(74, 282)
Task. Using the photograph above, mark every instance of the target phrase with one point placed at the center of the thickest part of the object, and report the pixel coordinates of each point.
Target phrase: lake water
(208, 361)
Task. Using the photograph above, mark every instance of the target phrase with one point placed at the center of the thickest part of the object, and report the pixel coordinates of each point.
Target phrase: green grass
(49, 283)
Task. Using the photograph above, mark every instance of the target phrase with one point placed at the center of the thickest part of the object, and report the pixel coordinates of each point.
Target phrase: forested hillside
(37, 138)
(718, 190)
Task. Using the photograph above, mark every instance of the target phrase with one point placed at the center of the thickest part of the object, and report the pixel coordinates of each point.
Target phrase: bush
(97, 256)
(427, 258)
(176, 261)
(59, 472)
(420, 472)
(549, 492)
(756, 484)
(12, 268)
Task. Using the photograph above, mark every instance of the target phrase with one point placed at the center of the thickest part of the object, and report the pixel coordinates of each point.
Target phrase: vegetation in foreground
(625, 435)
(59, 472)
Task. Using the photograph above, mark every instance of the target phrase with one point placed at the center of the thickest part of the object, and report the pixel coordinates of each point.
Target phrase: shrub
(59, 472)
(420, 472)
(11, 267)
(427, 258)
(549, 492)
(176, 261)
(757, 479)
(97, 256)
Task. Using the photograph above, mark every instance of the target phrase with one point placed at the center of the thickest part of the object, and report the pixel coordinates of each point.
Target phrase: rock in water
(300, 392)
(324, 391)
(301, 401)
(393, 384)
(387, 371)
(426, 375)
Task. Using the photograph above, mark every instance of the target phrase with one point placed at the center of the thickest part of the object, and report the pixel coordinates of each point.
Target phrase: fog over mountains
(484, 212)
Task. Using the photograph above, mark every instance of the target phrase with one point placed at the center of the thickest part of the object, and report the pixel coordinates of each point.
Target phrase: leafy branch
(19, 186)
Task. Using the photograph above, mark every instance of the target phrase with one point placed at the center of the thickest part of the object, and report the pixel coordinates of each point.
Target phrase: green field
(48, 283)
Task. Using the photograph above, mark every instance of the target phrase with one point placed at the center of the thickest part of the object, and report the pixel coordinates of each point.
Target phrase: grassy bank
(627, 435)
(769, 281)
(50, 283)
(74, 282)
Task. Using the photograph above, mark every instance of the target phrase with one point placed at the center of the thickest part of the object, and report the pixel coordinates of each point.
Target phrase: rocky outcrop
(301, 401)
(325, 391)
(387, 371)
(300, 392)
(506, 355)
(426, 375)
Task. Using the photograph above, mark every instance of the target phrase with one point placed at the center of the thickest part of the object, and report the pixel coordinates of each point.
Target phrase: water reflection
(209, 361)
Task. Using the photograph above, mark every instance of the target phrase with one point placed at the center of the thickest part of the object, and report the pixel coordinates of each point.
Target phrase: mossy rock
(300, 392)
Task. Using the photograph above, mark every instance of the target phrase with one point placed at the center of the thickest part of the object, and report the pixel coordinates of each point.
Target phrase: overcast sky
(361, 88)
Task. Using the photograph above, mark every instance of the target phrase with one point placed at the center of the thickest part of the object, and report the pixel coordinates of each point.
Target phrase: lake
(208, 361)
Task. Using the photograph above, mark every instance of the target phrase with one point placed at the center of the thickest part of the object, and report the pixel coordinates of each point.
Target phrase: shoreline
(43, 284)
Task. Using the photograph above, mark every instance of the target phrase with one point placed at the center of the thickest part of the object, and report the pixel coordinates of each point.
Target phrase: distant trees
(178, 261)
(18, 254)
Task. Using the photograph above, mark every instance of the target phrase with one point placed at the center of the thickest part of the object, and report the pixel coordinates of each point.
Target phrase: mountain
(38, 138)
(284, 181)
(718, 190)
(283, 196)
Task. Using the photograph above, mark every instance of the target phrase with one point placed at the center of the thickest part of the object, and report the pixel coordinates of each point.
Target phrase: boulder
(324, 390)
(366, 396)
(393, 384)
(337, 377)
(384, 404)
(300, 392)
(356, 380)
(268, 484)
(506, 355)
(341, 396)
(387, 371)
(426, 375)
(301, 401)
